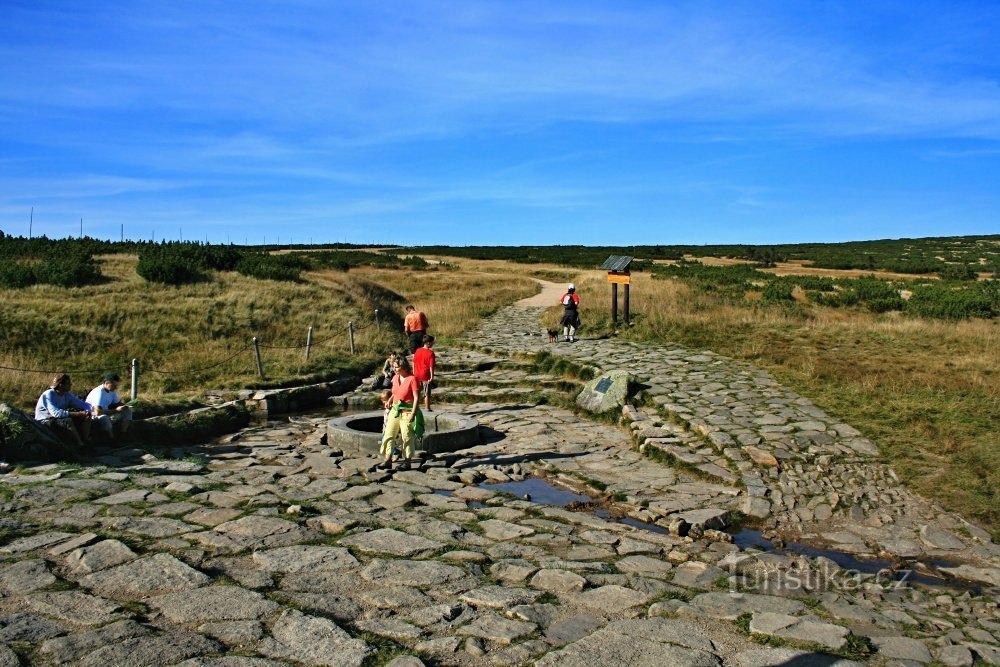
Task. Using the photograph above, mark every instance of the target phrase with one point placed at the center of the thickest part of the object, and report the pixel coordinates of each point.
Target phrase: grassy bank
(926, 391)
(194, 338)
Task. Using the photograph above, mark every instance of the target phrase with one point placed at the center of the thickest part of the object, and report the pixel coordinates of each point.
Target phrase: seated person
(110, 412)
(59, 407)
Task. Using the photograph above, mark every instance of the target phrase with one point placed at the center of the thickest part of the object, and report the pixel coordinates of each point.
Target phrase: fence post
(135, 378)
(378, 325)
(256, 354)
(309, 342)
(350, 335)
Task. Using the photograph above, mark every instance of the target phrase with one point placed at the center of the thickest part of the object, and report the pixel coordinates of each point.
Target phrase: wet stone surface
(271, 548)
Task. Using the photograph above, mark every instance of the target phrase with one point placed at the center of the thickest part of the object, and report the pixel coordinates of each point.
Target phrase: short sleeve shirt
(102, 398)
(423, 362)
(404, 389)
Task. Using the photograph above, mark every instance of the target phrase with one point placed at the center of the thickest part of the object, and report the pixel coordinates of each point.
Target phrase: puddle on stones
(541, 491)
(538, 490)
(747, 538)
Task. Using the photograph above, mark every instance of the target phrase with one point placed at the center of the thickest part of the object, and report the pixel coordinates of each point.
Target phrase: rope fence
(255, 345)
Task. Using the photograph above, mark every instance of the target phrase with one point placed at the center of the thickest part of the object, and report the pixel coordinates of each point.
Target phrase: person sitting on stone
(110, 412)
(384, 380)
(58, 406)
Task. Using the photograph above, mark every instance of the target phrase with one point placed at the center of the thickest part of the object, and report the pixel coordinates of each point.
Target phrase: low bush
(778, 291)
(272, 267)
(15, 276)
(958, 272)
(950, 303)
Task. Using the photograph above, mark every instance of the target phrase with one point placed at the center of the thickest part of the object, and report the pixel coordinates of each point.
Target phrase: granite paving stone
(212, 603)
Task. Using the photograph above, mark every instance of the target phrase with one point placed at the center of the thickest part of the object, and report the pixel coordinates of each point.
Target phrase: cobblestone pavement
(271, 547)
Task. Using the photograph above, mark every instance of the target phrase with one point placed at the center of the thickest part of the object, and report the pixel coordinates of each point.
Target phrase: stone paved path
(271, 547)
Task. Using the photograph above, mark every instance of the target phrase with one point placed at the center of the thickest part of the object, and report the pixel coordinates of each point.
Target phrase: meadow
(194, 338)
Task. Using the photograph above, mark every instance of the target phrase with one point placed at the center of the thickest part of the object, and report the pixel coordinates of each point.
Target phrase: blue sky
(502, 122)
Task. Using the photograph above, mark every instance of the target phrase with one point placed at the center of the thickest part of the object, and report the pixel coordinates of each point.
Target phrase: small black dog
(553, 335)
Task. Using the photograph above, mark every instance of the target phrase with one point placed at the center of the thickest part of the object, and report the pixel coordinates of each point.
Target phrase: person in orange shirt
(414, 326)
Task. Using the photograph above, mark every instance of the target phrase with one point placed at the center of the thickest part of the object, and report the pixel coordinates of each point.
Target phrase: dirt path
(549, 296)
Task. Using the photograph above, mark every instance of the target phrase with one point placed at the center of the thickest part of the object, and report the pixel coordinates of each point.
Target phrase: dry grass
(200, 335)
(798, 267)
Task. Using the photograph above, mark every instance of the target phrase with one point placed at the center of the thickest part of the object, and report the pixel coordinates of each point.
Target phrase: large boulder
(608, 391)
(24, 439)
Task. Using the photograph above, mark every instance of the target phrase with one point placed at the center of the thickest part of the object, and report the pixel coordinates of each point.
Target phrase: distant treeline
(917, 256)
(942, 299)
(70, 262)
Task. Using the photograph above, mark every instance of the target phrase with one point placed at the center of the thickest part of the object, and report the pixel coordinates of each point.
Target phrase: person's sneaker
(386, 466)
(405, 465)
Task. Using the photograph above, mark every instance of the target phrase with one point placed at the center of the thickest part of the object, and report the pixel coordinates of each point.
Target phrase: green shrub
(958, 272)
(271, 267)
(14, 276)
(166, 268)
(73, 270)
(954, 303)
(778, 291)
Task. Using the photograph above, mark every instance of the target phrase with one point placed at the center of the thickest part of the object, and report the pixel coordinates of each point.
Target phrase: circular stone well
(362, 433)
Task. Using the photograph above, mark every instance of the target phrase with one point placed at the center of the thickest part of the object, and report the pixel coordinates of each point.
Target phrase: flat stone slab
(645, 565)
(99, 556)
(161, 650)
(25, 577)
(902, 648)
(695, 574)
(612, 599)
(155, 575)
(729, 606)
(75, 607)
(71, 648)
(213, 603)
(654, 642)
(497, 628)
(390, 541)
(794, 627)
(499, 597)
(305, 558)
(313, 641)
(558, 581)
(411, 572)
(495, 529)
(149, 526)
(33, 542)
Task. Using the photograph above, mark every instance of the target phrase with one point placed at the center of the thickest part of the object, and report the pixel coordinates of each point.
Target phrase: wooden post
(256, 354)
(627, 321)
(135, 378)
(350, 335)
(614, 303)
(377, 324)
(309, 342)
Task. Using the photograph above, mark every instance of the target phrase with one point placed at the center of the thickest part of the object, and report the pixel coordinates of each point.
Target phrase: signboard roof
(617, 263)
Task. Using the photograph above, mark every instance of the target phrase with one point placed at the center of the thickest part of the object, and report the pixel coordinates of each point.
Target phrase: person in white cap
(571, 315)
